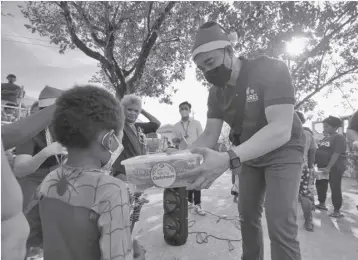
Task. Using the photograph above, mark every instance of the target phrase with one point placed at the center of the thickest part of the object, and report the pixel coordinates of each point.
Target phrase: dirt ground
(332, 240)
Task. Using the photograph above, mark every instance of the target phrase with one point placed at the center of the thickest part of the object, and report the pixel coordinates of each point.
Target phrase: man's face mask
(114, 147)
(184, 111)
(220, 75)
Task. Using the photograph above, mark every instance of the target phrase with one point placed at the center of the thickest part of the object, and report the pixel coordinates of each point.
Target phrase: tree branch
(90, 26)
(79, 44)
(149, 42)
(324, 40)
(148, 16)
(174, 39)
(330, 81)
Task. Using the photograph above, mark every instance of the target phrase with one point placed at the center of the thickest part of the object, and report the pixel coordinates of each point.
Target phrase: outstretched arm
(24, 129)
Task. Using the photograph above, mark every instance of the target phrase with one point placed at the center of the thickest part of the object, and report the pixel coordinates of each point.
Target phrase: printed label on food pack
(163, 175)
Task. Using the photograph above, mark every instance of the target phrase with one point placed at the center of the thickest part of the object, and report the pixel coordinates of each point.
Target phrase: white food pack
(160, 170)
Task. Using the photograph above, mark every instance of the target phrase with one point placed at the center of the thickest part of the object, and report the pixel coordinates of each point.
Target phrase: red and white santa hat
(210, 36)
(48, 96)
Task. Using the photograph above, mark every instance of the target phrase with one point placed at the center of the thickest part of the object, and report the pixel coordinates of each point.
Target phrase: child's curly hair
(82, 113)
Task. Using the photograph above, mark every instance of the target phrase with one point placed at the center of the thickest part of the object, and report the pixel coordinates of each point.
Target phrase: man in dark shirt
(269, 138)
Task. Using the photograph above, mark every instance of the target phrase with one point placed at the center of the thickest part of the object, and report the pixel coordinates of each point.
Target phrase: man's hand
(214, 165)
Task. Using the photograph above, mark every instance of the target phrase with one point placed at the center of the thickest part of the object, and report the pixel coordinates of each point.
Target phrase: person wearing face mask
(134, 133)
(79, 210)
(185, 132)
(256, 98)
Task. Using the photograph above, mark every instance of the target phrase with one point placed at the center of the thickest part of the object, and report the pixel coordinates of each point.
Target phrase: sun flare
(296, 46)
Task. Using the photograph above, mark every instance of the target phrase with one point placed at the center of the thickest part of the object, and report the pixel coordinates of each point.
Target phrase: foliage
(330, 58)
(142, 47)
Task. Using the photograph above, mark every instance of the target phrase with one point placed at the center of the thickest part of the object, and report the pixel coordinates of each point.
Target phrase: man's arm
(278, 95)
(211, 134)
(24, 129)
(276, 133)
(199, 129)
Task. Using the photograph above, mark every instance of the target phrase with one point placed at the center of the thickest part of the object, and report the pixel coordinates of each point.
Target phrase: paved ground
(332, 240)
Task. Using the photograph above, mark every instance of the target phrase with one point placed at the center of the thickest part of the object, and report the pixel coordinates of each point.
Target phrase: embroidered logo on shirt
(325, 144)
(251, 95)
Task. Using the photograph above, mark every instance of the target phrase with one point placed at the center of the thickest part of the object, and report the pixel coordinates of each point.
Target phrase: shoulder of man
(266, 65)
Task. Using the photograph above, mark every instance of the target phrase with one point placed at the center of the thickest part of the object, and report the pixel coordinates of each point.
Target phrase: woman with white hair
(134, 132)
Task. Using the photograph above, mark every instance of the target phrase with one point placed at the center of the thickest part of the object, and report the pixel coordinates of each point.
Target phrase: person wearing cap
(331, 159)
(36, 157)
(305, 194)
(256, 98)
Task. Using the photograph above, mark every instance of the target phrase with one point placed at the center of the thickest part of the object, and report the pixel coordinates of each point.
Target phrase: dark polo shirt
(269, 83)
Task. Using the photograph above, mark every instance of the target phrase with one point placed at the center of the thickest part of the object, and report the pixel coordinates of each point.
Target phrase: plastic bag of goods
(161, 170)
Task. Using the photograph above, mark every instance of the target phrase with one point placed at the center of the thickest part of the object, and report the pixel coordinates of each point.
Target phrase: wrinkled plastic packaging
(161, 170)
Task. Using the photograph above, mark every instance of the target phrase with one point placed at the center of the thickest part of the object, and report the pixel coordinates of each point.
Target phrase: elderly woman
(331, 158)
(80, 211)
(134, 138)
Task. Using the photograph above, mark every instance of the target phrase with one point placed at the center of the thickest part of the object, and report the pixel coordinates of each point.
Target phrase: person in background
(34, 108)
(305, 194)
(185, 132)
(79, 211)
(14, 227)
(331, 158)
(40, 155)
(134, 139)
(10, 91)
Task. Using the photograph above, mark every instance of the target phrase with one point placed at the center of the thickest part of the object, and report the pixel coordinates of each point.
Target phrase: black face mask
(219, 76)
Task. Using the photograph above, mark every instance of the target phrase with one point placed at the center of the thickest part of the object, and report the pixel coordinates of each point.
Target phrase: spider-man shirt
(81, 214)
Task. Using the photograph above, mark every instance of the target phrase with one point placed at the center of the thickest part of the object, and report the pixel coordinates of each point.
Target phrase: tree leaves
(144, 47)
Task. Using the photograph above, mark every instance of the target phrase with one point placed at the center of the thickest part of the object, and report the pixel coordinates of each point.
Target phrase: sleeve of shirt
(353, 124)
(277, 83)
(114, 225)
(176, 133)
(214, 108)
(148, 127)
(26, 148)
(339, 145)
(33, 217)
(199, 129)
(313, 144)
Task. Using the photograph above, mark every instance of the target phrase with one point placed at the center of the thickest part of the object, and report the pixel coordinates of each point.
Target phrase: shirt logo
(325, 144)
(251, 95)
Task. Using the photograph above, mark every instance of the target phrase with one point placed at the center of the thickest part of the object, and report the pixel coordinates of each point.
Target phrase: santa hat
(211, 36)
(48, 96)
